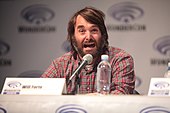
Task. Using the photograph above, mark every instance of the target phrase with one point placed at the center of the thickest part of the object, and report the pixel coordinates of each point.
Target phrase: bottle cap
(168, 64)
(104, 57)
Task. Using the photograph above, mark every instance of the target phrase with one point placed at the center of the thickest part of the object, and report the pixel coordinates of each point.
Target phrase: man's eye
(95, 30)
(81, 30)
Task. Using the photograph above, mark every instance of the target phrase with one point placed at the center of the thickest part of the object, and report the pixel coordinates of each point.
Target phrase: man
(87, 34)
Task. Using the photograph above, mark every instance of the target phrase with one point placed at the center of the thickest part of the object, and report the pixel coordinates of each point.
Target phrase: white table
(83, 104)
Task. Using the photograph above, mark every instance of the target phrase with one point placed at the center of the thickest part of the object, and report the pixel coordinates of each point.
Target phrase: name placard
(159, 87)
(34, 86)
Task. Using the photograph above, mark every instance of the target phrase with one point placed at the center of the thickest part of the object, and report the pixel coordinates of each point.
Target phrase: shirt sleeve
(53, 71)
(123, 76)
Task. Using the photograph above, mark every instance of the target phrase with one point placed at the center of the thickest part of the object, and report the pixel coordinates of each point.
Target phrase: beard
(96, 53)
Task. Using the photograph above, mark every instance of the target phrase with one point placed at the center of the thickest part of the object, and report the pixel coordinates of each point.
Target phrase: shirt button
(87, 88)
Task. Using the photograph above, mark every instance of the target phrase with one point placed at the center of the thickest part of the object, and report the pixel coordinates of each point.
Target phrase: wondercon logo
(37, 14)
(70, 108)
(125, 12)
(138, 81)
(66, 46)
(4, 48)
(161, 85)
(31, 74)
(14, 84)
(155, 109)
(162, 45)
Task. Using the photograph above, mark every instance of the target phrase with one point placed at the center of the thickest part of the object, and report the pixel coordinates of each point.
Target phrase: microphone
(87, 59)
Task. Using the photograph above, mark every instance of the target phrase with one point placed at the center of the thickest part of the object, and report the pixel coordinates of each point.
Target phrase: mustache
(90, 43)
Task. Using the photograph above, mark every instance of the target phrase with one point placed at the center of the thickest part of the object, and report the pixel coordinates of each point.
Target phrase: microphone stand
(76, 91)
(77, 77)
(77, 81)
(77, 85)
(86, 59)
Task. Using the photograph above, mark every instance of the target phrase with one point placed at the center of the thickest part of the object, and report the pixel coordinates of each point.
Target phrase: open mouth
(89, 45)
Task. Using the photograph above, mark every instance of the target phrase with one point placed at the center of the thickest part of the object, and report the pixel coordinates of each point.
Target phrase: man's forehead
(82, 22)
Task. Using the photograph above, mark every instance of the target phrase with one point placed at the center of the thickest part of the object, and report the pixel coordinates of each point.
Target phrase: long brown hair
(91, 15)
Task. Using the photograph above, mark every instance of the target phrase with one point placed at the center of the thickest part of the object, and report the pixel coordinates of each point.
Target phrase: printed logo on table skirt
(2, 110)
(155, 109)
(71, 108)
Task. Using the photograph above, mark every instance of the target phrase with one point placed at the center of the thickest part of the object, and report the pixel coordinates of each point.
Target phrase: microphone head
(88, 58)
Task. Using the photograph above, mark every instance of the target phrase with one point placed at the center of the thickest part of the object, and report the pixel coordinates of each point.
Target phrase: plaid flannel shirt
(123, 76)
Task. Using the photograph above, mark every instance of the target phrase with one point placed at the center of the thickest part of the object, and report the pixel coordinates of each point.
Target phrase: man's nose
(88, 35)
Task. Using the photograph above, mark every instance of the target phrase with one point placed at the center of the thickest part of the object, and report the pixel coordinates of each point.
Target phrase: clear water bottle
(103, 75)
(167, 73)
